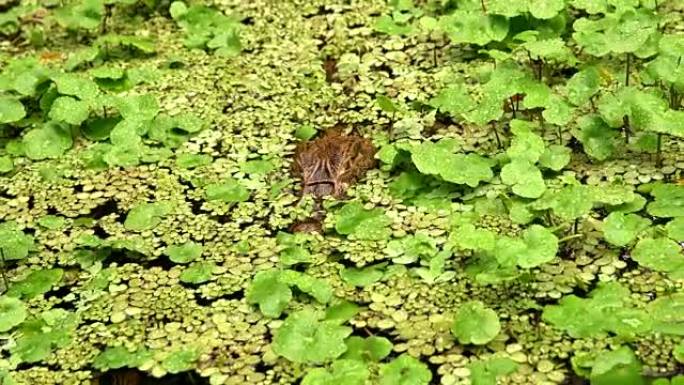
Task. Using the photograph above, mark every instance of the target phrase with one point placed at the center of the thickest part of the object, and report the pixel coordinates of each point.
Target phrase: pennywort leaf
(405, 370)
(475, 324)
(304, 337)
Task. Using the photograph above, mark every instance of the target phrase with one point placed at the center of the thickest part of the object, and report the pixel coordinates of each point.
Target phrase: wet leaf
(619, 366)
(669, 201)
(198, 272)
(11, 109)
(180, 361)
(353, 219)
(347, 372)
(675, 229)
(120, 357)
(36, 283)
(621, 229)
(486, 372)
(555, 157)
(230, 190)
(305, 338)
(363, 276)
(405, 370)
(12, 313)
(371, 349)
(660, 254)
(668, 314)
(69, 110)
(49, 141)
(146, 216)
(269, 292)
(524, 178)
(184, 253)
(14, 244)
(475, 324)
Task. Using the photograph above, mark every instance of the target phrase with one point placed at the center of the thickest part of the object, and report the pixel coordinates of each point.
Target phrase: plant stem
(2, 269)
(512, 106)
(560, 135)
(496, 134)
(629, 59)
(434, 55)
(659, 159)
(484, 8)
(625, 127)
(570, 238)
(541, 70)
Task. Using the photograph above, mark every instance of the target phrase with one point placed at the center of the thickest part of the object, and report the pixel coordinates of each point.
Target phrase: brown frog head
(330, 164)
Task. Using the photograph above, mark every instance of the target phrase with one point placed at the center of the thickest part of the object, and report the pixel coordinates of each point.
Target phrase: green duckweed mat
(523, 223)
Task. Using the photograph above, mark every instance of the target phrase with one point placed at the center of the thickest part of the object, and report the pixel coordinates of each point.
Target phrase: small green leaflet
(12, 313)
(669, 201)
(36, 283)
(608, 309)
(524, 178)
(473, 27)
(475, 324)
(49, 141)
(371, 349)
(146, 216)
(405, 370)
(621, 229)
(486, 372)
(198, 272)
(11, 109)
(14, 243)
(342, 371)
(184, 253)
(660, 254)
(270, 289)
(435, 159)
(230, 191)
(120, 357)
(619, 366)
(304, 337)
(354, 219)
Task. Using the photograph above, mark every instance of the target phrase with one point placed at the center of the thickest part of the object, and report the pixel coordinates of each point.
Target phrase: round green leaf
(120, 357)
(69, 110)
(11, 109)
(405, 370)
(555, 157)
(12, 313)
(668, 314)
(230, 190)
(620, 229)
(180, 361)
(14, 244)
(36, 283)
(198, 272)
(367, 349)
(269, 293)
(541, 247)
(146, 216)
(675, 229)
(353, 219)
(475, 324)
(660, 254)
(49, 141)
(526, 179)
(304, 338)
(185, 253)
(347, 372)
(6, 164)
